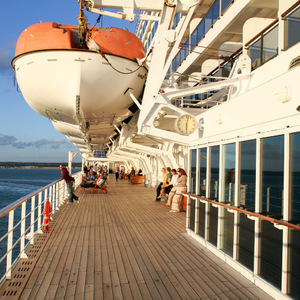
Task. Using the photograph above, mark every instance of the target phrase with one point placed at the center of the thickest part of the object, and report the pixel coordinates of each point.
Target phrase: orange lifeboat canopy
(53, 36)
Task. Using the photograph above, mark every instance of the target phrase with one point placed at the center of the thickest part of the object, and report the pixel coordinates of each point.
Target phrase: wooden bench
(137, 179)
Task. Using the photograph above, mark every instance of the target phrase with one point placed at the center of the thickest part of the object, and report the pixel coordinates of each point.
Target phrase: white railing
(24, 220)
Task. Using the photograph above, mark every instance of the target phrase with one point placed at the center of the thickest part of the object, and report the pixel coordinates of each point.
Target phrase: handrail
(290, 9)
(18, 202)
(279, 222)
(19, 229)
(261, 32)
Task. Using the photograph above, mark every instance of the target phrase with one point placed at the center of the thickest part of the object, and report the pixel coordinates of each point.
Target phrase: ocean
(17, 183)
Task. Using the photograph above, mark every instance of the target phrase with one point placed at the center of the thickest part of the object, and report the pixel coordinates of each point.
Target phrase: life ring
(47, 215)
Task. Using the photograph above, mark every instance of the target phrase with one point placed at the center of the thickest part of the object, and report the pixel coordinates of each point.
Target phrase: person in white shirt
(170, 189)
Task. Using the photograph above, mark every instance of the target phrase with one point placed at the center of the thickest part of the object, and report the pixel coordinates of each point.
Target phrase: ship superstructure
(221, 100)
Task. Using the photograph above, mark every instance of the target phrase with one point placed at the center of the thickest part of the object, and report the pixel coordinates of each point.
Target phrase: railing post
(229, 192)
(32, 220)
(22, 236)
(60, 192)
(197, 215)
(268, 199)
(9, 243)
(207, 220)
(188, 211)
(56, 196)
(45, 199)
(40, 211)
(51, 199)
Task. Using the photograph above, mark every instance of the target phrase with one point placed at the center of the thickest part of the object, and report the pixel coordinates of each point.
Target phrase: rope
(121, 72)
(97, 21)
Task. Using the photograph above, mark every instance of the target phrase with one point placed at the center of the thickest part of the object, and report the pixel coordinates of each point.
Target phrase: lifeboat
(80, 85)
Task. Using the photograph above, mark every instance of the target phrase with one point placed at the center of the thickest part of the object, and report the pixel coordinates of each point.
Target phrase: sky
(26, 136)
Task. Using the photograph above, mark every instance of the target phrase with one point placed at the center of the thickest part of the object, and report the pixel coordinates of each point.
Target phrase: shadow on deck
(125, 245)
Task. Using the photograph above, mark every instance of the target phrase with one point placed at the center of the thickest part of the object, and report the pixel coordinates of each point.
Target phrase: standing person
(85, 171)
(117, 172)
(69, 181)
(180, 187)
(158, 189)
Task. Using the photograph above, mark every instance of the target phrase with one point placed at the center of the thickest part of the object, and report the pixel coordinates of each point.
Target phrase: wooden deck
(125, 245)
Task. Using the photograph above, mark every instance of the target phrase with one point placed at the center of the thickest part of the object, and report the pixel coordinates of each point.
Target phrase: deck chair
(98, 189)
(88, 187)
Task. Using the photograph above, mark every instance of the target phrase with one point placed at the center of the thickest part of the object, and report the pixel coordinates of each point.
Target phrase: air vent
(294, 63)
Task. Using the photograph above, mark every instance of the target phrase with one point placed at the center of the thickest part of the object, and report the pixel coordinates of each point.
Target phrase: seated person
(101, 180)
(163, 187)
(140, 172)
(132, 173)
(172, 183)
(87, 183)
(91, 176)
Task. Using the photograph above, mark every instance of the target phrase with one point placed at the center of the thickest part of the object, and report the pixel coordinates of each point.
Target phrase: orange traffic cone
(47, 216)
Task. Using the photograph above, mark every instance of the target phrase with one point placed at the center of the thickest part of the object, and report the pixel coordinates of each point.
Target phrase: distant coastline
(34, 165)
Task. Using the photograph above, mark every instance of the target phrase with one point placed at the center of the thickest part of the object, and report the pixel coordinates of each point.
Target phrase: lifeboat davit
(83, 86)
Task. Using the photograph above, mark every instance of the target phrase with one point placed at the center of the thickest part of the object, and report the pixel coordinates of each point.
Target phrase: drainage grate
(13, 288)
(21, 272)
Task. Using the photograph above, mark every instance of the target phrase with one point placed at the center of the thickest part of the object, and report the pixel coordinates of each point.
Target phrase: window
(295, 178)
(203, 159)
(272, 176)
(264, 48)
(214, 181)
(193, 171)
(248, 170)
(270, 44)
(225, 4)
(292, 28)
(229, 173)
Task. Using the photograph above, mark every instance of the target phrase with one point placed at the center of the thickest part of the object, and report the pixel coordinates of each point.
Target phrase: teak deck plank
(125, 245)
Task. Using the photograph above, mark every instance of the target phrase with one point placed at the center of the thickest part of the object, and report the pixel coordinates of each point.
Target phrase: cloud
(6, 140)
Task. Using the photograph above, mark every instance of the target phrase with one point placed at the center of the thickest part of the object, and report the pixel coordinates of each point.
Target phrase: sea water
(16, 184)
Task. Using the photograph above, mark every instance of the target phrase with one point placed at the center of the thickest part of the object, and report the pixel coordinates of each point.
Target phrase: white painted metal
(197, 215)
(22, 233)
(286, 237)
(258, 207)
(236, 230)
(130, 5)
(10, 233)
(32, 219)
(198, 166)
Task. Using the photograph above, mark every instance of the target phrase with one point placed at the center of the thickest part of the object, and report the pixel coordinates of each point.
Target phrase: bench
(137, 179)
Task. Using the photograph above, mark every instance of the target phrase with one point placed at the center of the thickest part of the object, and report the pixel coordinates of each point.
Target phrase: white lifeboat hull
(70, 85)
